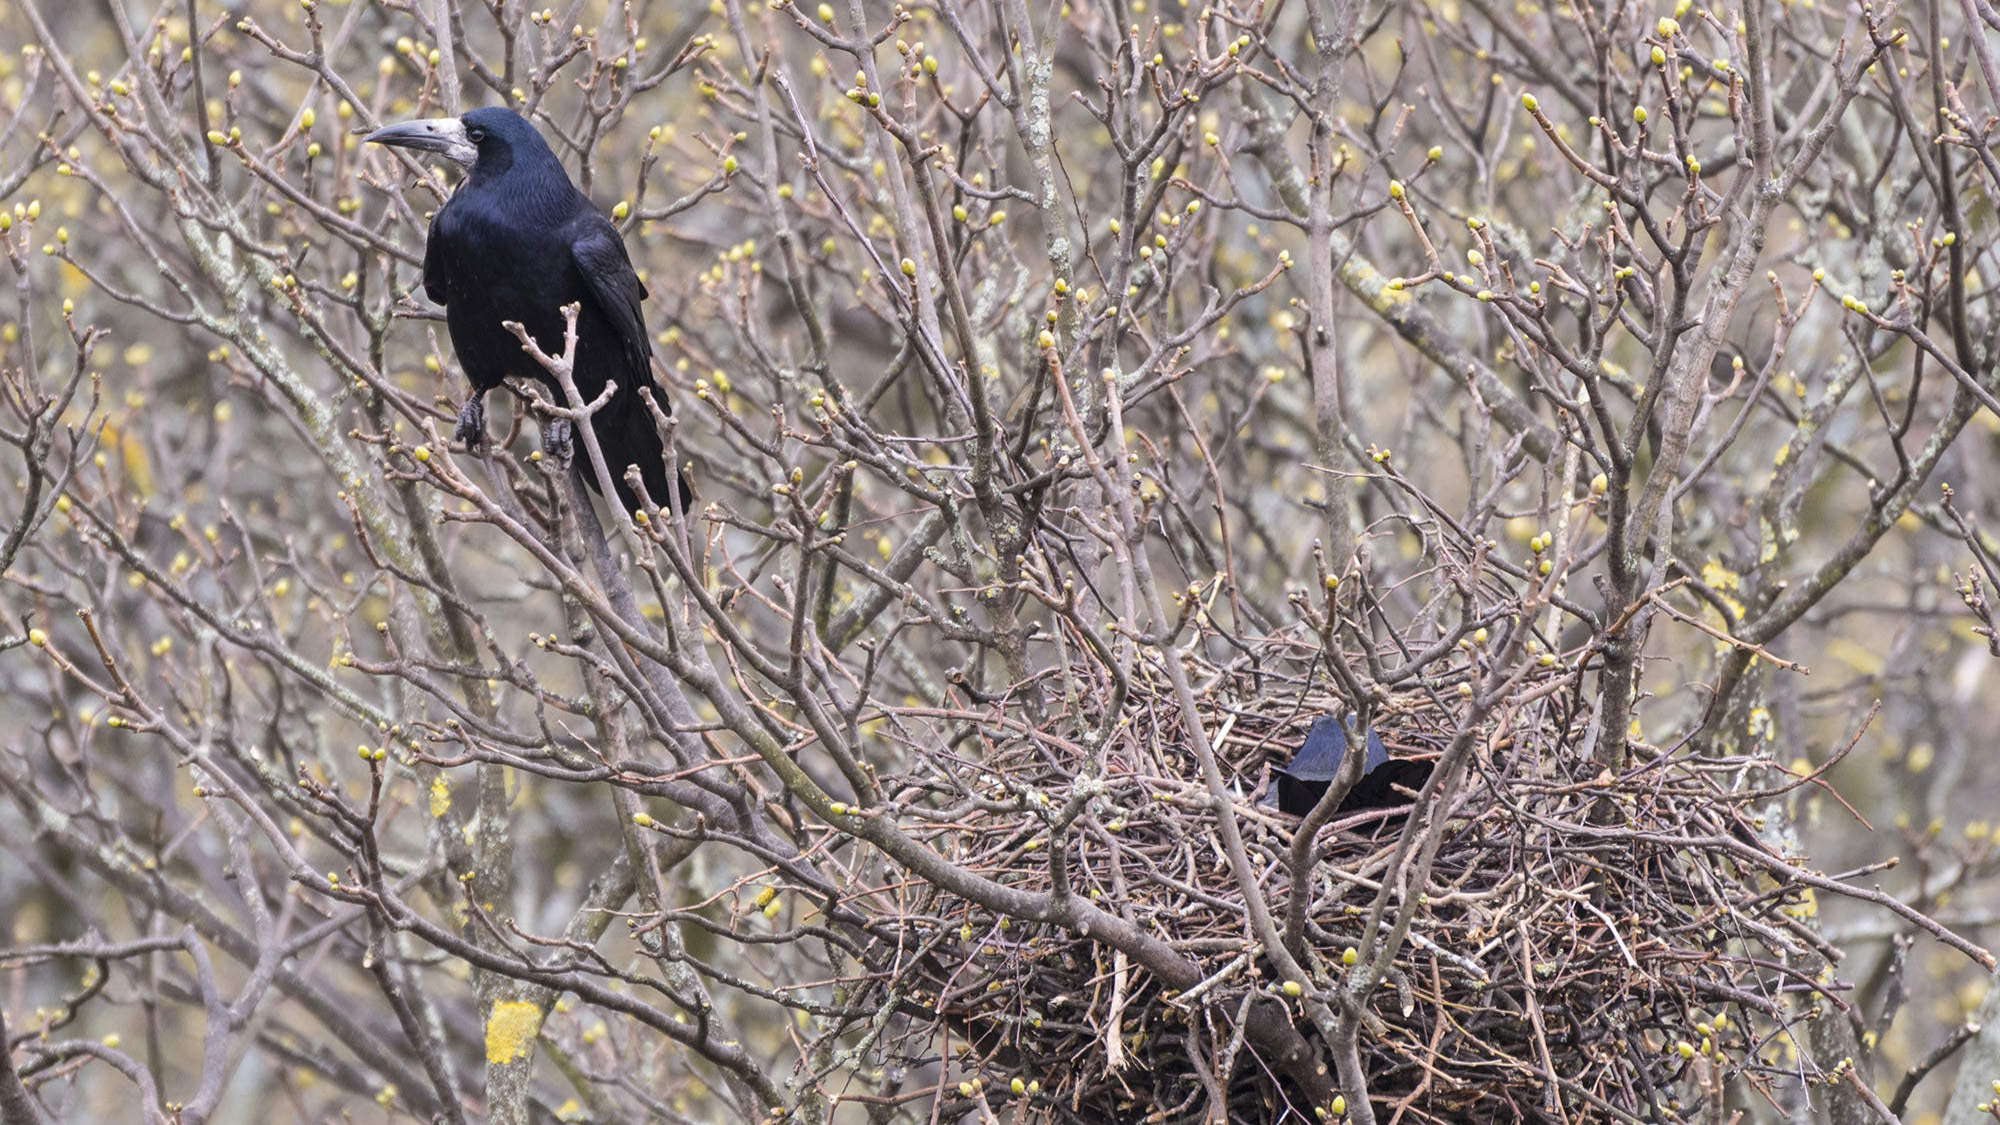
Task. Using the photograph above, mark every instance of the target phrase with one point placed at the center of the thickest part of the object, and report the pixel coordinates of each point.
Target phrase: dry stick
(1654, 597)
(447, 64)
(1551, 1093)
(1917, 1072)
(1114, 1035)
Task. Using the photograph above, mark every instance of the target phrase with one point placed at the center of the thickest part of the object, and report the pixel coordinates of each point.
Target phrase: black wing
(437, 267)
(616, 288)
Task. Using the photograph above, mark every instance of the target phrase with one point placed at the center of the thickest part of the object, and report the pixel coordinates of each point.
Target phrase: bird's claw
(471, 429)
(559, 439)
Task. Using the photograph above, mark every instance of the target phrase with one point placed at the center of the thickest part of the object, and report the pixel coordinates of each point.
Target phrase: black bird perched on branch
(1300, 784)
(518, 242)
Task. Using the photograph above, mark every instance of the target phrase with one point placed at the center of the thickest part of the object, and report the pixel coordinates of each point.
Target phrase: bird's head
(486, 139)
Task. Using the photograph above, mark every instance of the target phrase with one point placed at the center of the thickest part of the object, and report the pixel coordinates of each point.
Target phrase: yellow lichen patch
(440, 797)
(1764, 727)
(1720, 577)
(511, 1030)
(1725, 582)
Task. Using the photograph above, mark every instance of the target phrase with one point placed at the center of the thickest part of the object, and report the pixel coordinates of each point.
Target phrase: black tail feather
(626, 434)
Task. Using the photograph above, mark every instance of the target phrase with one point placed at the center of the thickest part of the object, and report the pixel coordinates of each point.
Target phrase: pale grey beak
(442, 135)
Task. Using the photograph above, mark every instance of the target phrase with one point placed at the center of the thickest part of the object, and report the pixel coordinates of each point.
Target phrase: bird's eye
(475, 135)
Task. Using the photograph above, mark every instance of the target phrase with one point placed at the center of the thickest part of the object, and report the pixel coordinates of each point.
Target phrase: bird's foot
(559, 438)
(471, 429)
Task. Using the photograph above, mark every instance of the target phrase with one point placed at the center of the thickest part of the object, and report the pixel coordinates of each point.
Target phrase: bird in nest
(1299, 785)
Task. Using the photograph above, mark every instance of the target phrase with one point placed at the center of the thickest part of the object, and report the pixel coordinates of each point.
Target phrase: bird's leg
(472, 421)
(558, 437)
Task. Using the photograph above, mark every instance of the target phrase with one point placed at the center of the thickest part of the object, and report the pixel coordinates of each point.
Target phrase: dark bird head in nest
(1300, 784)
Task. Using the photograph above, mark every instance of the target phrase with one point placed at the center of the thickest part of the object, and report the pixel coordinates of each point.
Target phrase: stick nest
(1585, 947)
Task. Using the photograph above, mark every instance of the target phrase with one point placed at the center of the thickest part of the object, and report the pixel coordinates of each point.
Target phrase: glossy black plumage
(1300, 784)
(517, 241)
